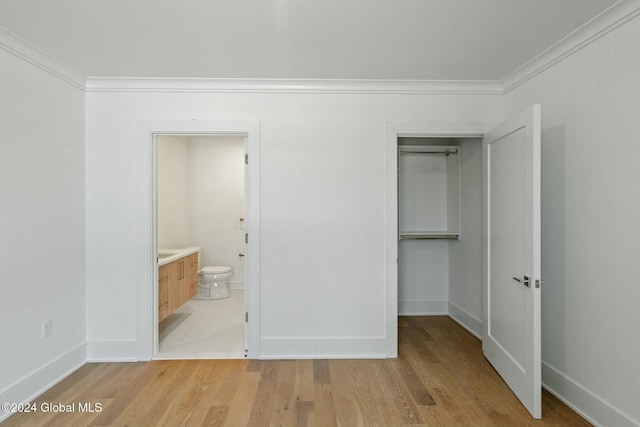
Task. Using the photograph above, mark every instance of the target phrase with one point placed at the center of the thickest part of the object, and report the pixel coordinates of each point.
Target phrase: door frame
(147, 294)
(394, 130)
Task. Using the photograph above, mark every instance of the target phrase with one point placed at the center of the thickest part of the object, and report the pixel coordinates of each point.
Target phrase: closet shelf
(414, 235)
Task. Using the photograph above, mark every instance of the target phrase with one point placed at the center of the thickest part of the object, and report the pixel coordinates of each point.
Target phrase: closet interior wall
(441, 275)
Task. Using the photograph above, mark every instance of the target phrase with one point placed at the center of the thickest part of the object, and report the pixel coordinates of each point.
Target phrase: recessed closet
(439, 228)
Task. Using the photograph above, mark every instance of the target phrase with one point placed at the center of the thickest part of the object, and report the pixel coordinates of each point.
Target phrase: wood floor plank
(353, 393)
(399, 393)
(215, 416)
(242, 398)
(440, 378)
(321, 372)
(263, 402)
(164, 392)
(198, 399)
(185, 409)
(304, 381)
(324, 411)
(303, 413)
(414, 383)
(234, 376)
(283, 408)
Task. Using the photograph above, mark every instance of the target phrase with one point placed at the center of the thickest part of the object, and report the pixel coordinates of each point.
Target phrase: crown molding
(615, 16)
(24, 50)
(299, 86)
(607, 21)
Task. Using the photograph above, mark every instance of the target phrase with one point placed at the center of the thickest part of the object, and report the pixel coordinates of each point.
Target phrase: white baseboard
(112, 351)
(423, 307)
(466, 320)
(34, 384)
(323, 348)
(236, 285)
(593, 408)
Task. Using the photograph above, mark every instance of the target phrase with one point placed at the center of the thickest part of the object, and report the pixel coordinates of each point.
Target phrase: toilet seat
(215, 269)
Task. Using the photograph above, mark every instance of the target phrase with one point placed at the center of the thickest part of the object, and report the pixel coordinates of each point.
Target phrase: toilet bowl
(212, 282)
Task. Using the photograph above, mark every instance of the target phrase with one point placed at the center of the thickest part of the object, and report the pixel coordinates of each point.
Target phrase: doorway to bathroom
(200, 225)
(205, 188)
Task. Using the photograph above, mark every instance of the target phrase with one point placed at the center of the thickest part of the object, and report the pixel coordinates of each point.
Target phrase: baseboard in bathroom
(236, 286)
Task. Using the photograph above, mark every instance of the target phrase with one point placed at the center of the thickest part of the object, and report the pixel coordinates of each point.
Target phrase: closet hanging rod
(424, 235)
(443, 153)
(440, 237)
(417, 149)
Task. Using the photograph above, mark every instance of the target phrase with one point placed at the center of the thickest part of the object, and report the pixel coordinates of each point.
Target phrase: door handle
(525, 281)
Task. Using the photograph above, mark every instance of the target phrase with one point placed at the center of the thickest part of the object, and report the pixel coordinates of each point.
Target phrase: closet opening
(439, 200)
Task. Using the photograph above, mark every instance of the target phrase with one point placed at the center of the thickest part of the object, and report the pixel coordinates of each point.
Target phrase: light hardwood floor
(439, 379)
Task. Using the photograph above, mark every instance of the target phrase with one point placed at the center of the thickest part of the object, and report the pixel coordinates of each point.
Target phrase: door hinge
(246, 237)
(539, 282)
(246, 317)
(246, 159)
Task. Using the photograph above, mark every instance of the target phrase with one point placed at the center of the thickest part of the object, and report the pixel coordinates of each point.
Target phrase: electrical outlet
(46, 328)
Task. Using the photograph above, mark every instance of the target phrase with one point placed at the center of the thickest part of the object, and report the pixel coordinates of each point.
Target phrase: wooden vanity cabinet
(192, 268)
(177, 284)
(164, 274)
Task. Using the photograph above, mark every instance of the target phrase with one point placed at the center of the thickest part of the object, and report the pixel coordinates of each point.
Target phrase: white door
(511, 323)
(247, 271)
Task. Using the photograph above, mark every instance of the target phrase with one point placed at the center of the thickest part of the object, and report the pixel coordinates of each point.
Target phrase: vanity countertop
(165, 256)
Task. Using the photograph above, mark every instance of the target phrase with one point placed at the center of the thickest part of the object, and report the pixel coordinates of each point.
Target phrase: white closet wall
(439, 208)
(465, 255)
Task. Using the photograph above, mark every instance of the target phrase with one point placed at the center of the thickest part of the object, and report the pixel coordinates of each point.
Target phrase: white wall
(201, 198)
(439, 277)
(423, 277)
(423, 265)
(172, 166)
(322, 286)
(216, 167)
(42, 270)
(465, 255)
(590, 231)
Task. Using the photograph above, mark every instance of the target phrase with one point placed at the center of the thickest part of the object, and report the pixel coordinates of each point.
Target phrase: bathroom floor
(204, 329)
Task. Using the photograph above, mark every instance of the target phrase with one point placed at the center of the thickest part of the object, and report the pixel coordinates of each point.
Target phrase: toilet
(212, 282)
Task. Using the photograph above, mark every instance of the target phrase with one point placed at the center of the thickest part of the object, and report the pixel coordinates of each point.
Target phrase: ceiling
(303, 39)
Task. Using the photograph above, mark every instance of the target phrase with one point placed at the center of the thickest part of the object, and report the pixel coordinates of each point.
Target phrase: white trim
(295, 86)
(40, 380)
(24, 50)
(323, 348)
(466, 320)
(236, 285)
(147, 274)
(607, 21)
(111, 350)
(592, 407)
(190, 355)
(423, 307)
